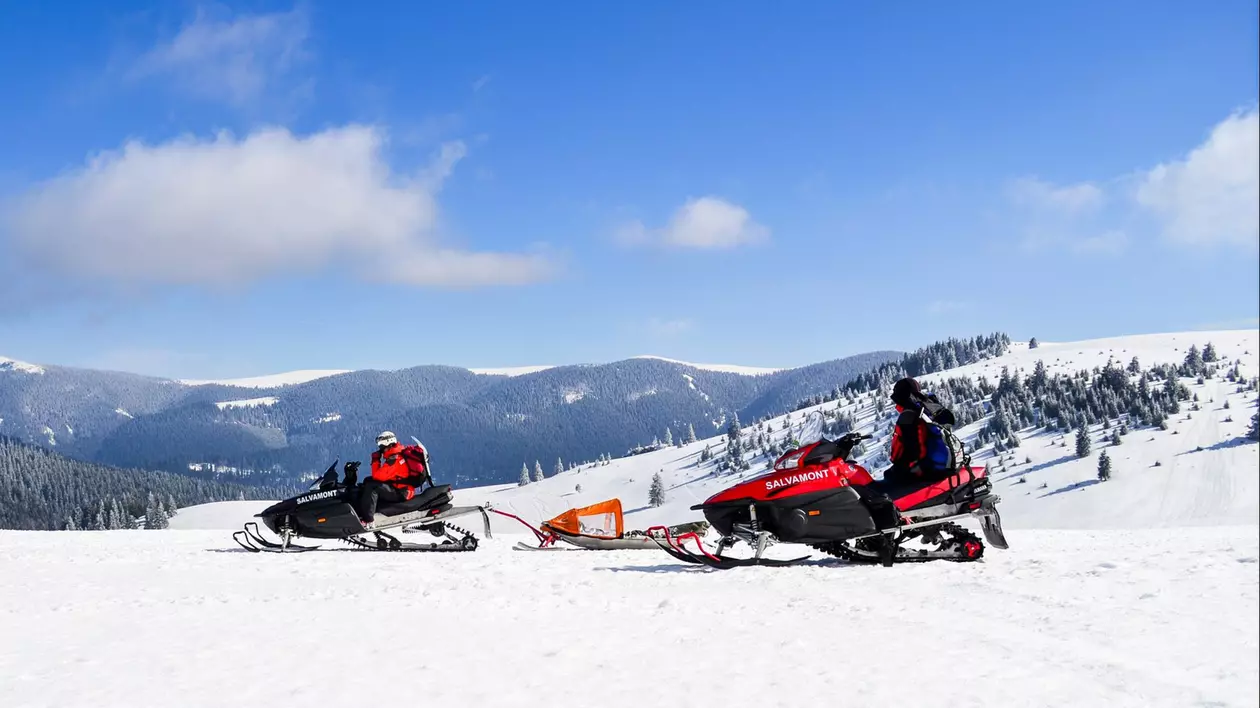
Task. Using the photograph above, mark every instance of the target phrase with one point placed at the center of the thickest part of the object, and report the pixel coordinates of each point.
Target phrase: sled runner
(327, 512)
(818, 496)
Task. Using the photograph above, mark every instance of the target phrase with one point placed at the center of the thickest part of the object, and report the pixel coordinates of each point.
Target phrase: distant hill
(479, 427)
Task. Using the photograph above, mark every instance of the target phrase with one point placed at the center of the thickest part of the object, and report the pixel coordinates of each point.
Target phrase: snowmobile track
(957, 541)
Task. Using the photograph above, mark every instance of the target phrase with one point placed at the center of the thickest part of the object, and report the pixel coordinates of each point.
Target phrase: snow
(512, 370)
(20, 367)
(726, 368)
(228, 515)
(1144, 618)
(123, 413)
(329, 418)
(287, 378)
(248, 402)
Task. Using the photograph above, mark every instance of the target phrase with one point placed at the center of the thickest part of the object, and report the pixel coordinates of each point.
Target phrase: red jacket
(402, 467)
(909, 440)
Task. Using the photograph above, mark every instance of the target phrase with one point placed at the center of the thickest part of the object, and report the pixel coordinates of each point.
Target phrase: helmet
(386, 439)
(906, 393)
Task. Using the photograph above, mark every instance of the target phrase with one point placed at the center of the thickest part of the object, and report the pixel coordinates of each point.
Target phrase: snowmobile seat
(956, 485)
(433, 496)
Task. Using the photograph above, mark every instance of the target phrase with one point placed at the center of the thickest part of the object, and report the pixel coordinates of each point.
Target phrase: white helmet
(386, 439)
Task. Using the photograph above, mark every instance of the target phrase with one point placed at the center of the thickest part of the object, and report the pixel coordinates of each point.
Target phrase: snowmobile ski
(250, 539)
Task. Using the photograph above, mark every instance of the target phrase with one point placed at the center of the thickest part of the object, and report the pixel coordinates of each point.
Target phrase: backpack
(944, 451)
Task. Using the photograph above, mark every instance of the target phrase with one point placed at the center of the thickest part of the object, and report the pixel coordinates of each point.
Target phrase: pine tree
(1254, 431)
(1194, 361)
(524, 476)
(1104, 466)
(538, 473)
(1134, 366)
(71, 525)
(577, 488)
(1082, 442)
(691, 433)
(1115, 438)
(669, 436)
(1033, 343)
(1209, 353)
(559, 466)
(99, 522)
(656, 493)
(706, 454)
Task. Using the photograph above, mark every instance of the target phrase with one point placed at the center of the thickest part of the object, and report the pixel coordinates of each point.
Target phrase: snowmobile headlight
(790, 461)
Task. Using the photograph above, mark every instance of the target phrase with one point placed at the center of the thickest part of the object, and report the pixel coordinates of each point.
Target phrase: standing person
(397, 472)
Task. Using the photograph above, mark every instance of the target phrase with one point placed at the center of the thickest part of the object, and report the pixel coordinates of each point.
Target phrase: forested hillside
(43, 490)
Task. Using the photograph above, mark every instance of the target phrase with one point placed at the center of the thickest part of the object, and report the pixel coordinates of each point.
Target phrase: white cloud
(236, 60)
(480, 83)
(1063, 217)
(701, 223)
(225, 210)
(1213, 194)
(660, 327)
(1069, 199)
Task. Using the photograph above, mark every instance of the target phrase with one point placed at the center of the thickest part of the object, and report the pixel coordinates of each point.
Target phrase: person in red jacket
(397, 472)
(909, 454)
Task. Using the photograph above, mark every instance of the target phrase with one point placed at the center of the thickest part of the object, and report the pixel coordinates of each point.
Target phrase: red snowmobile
(819, 496)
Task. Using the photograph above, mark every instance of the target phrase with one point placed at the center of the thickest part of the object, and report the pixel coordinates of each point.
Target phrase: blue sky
(236, 189)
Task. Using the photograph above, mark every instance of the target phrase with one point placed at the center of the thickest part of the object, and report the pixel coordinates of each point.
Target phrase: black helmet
(906, 393)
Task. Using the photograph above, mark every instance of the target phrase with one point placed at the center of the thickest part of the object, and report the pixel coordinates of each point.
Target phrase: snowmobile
(327, 511)
(817, 495)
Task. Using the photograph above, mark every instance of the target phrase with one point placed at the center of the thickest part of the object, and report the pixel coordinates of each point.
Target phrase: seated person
(912, 466)
(397, 472)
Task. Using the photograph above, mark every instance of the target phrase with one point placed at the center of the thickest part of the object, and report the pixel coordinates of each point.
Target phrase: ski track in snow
(1115, 618)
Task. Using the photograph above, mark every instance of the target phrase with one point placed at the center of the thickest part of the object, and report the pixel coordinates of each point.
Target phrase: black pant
(883, 512)
(372, 490)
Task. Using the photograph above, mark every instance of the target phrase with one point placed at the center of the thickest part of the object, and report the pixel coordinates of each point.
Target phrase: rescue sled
(597, 527)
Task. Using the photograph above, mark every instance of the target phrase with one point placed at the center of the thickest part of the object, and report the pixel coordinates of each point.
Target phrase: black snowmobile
(327, 511)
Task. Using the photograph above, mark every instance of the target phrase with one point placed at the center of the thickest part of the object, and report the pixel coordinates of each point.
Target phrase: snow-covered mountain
(299, 422)
(1198, 472)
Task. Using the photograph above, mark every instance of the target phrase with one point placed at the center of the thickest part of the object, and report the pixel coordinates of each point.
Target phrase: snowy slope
(1140, 619)
(726, 368)
(20, 367)
(1218, 485)
(228, 515)
(287, 378)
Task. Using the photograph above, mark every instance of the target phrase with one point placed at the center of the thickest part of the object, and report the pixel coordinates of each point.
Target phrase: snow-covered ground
(1139, 618)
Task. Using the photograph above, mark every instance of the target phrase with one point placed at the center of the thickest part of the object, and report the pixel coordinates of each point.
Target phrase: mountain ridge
(483, 424)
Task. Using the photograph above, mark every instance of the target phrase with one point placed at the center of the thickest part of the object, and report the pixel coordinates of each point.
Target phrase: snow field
(1118, 618)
